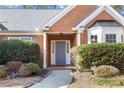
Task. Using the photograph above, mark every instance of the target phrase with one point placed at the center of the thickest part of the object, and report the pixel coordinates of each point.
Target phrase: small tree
(117, 7)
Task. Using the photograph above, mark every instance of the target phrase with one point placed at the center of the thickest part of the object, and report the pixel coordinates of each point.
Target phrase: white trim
(113, 30)
(44, 28)
(53, 54)
(95, 31)
(53, 57)
(44, 51)
(79, 29)
(102, 31)
(68, 62)
(59, 16)
(14, 38)
(115, 14)
(78, 38)
(108, 9)
(111, 39)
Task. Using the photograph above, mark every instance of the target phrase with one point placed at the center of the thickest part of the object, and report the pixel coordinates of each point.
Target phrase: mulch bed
(82, 80)
(23, 81)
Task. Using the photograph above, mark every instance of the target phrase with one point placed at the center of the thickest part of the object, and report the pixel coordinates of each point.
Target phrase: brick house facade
(73, 26)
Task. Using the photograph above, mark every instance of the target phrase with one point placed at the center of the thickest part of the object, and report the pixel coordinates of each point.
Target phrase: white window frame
(96, 41)
(122, 38)
(26, 38)
(111, 38)
(13, 38)
(102, 31)
(20, 38)
(95, 31)
(112, 30)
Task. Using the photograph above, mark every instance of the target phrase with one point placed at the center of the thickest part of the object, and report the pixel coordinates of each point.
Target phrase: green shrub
(19, 50)
(3, 71)
(29, 69)
(106, 71)
(102, 54)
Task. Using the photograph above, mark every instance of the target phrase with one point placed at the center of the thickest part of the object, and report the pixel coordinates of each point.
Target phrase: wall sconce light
(61, 33)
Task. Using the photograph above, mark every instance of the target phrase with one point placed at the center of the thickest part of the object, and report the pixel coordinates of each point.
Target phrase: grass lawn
(87, 80)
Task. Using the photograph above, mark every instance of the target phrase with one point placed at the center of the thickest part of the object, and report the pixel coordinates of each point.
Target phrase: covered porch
(56, 48)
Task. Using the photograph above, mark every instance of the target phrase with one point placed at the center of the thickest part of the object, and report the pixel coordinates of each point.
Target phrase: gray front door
(60, 53)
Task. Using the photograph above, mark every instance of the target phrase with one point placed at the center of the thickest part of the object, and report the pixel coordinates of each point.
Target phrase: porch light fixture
(61, 33)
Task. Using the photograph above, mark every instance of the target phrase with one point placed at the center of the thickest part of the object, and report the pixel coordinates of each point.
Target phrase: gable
(102, 13)
(67, 22)
(102, 16)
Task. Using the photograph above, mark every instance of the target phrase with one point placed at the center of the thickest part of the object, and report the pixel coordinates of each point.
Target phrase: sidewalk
(57, 79)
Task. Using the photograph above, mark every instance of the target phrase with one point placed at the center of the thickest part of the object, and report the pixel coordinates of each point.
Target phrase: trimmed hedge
(19, 50)
(102, 54)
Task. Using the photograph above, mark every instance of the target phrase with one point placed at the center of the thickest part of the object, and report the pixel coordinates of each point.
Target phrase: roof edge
(108, 9)
(58, 16)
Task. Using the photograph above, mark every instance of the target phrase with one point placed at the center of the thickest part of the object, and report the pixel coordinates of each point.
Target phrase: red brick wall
(67, 22)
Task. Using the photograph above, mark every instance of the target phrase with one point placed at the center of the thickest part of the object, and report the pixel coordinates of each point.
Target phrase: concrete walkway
(56, 79)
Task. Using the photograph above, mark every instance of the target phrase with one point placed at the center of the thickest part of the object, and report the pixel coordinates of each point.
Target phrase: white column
(44, 51)
(88, 36)
(78, 38)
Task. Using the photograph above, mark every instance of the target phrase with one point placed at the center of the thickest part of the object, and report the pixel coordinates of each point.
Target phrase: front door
(60, 52)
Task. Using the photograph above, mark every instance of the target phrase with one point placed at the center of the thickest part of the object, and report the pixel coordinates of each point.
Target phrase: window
(121, 38)
(25, 38)
(93, 38)
(53, 46)
(67, 47)
(110, 37)
(13, 38)
(19, 38)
